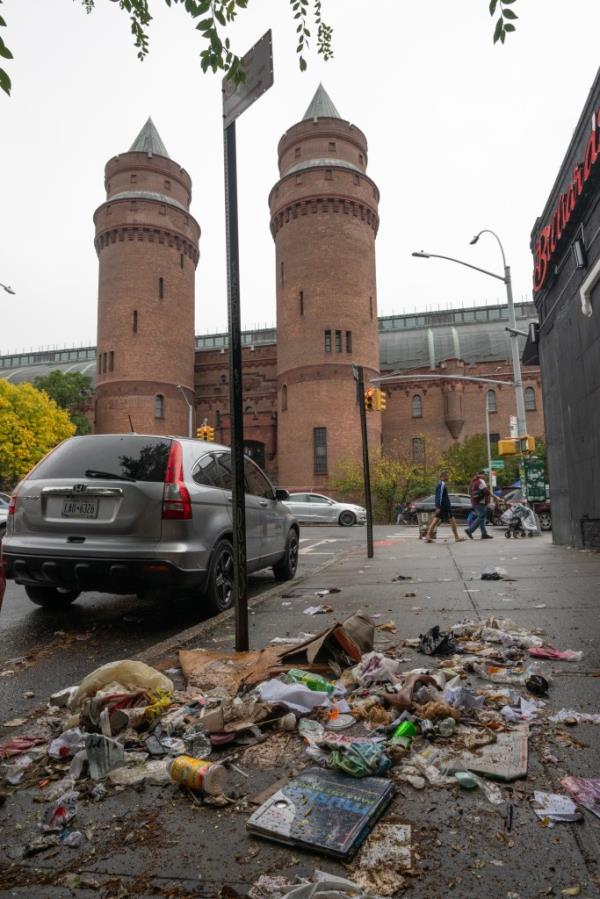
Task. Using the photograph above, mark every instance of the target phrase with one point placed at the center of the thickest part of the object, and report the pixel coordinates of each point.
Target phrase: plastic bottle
(404, 733)
(198, 774)
(312, 681)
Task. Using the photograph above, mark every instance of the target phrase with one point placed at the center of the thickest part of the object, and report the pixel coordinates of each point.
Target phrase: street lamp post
(487, 434)
(190, 412)
(514, 334)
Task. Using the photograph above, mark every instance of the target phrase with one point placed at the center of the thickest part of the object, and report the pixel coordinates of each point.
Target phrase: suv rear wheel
(285, 569)
(51, 597)
(219, 584)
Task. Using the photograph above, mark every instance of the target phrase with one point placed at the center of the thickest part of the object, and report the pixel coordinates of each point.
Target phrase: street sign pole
(257, 65)
(236, 411)
(357, 371)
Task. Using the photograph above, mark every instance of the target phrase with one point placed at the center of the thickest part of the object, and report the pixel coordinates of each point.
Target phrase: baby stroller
(520, 521)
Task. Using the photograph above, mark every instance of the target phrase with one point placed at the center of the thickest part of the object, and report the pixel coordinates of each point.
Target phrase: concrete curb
(198, 631)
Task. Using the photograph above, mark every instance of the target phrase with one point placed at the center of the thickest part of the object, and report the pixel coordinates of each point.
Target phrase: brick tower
(324, 221)
(147, 245)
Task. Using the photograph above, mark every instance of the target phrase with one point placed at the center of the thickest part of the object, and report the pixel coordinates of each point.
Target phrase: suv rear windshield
(127, 456)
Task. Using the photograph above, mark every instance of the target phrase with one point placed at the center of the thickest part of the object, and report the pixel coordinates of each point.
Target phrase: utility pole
(358, 373)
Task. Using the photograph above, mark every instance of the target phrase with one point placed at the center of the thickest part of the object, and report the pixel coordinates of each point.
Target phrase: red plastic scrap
(17, 745)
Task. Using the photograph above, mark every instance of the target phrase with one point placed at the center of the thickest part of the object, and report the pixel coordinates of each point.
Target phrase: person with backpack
(443, 511)
(480, 497)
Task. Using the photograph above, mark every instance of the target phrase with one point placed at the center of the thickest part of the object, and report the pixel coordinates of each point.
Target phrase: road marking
(309, 550)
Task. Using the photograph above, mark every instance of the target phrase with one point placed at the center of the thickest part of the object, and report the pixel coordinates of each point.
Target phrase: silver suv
(129, 513)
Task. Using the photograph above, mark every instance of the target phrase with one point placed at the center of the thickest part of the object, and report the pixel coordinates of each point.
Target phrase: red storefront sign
(548, 237)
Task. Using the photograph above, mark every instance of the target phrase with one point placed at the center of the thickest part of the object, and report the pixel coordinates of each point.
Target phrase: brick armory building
(300, 415)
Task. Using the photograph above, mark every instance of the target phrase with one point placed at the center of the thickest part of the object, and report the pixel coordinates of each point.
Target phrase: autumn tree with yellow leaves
(31, 424)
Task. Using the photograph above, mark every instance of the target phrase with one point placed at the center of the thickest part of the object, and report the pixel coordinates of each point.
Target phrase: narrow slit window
(320, 450)
(282, 274)
(332, 146)
(161, 288)
(297, 153)
(329, 174)
(159, 406)
(284, 400)
(371, 306)
(338, 341)
(181, 260)
(417, 406)
(301, 302)
(327, 341)
(135, 321)
(111, 361)
(492, 406)
(348, 341)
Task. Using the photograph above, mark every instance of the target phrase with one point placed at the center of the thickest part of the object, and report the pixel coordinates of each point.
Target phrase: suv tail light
(176, 498)
(12, 503)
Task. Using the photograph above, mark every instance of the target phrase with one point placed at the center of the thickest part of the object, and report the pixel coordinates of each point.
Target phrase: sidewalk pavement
(159, 841)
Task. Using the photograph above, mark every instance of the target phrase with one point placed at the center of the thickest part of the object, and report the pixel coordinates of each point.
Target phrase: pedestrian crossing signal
(369, 399)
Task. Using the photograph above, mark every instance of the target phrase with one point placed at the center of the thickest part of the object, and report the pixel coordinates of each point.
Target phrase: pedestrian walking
(399, 512)
(480, 497)
(443, 511)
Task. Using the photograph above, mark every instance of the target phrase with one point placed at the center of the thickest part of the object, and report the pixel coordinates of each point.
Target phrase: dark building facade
(566, 248)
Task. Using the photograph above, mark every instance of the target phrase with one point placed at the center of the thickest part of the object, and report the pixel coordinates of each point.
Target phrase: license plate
(80, 508)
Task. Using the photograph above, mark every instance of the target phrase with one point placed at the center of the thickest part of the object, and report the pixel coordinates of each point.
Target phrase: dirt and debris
(455, 722)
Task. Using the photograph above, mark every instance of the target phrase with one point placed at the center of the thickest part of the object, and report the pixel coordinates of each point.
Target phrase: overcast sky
(462, 135)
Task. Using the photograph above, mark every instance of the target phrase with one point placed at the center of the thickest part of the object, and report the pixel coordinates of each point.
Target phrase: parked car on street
(312, 508)
(4, 502)
(133, 513)
(461, 506)
(542, 509)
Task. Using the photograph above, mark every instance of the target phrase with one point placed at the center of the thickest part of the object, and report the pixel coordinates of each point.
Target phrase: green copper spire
(321, 106)
(149, 141)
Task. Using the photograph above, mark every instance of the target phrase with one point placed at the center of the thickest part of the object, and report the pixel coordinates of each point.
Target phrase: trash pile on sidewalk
(367, 721)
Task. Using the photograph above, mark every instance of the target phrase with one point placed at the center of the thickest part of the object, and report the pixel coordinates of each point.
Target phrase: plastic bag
(373, 668)
(128, 674)
(65, 746)
(359, 760)
(60, 812)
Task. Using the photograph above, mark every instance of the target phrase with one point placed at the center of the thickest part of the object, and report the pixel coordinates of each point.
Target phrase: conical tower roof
(321, 106)
(149, 141)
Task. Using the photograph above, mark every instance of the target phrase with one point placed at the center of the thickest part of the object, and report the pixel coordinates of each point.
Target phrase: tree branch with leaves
(212, 17)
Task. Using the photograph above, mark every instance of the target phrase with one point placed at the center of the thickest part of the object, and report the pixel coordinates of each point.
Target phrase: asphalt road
(43, 651)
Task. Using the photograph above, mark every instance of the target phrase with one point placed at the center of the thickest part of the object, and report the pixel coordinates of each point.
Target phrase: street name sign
(257, 66)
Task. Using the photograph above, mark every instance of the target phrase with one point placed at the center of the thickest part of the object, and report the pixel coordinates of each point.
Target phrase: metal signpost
(257, 65)
(357, 371)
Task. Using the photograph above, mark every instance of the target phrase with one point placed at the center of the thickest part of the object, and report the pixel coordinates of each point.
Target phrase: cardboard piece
(506, 759)
(323, 811)
(340, 644)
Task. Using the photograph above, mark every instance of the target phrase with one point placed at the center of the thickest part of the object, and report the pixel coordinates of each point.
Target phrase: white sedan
(315, 508)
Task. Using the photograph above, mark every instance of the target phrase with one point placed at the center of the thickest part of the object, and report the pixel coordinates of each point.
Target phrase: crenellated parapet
(325, 205)
(151, 235)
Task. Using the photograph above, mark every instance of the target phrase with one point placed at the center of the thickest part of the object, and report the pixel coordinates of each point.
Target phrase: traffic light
(512, 446)
(369, 399)
(380, 400)
(200, 433)
(210, 433)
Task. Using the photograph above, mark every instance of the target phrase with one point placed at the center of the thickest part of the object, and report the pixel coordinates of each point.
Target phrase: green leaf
(493, 5)
(498, 29)
(509, 27)
(2, 22)
(205, 24)
(220, 17)
(509, 14)
(503, 36)
(5, 84)
(4, 51)
(302, 63)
